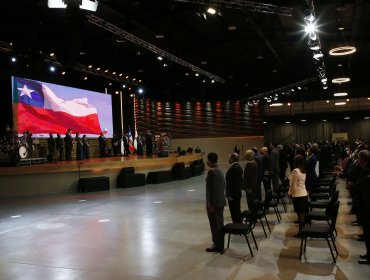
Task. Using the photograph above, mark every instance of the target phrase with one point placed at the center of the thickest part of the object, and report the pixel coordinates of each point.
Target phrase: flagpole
(120, 99)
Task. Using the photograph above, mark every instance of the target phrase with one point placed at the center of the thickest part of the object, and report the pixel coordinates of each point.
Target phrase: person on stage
(59, 146)
(51, 148)
(68, 144)
(102, 144)
(116, 140)
(79, 147)
(85, 147)
(29, 141)
(149, 143)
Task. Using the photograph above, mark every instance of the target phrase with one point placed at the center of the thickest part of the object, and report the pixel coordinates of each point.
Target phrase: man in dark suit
(68, 144)
(102, 144)
(215, 200)
(234, 180)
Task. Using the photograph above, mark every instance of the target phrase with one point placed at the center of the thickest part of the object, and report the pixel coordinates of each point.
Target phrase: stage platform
(63, 176)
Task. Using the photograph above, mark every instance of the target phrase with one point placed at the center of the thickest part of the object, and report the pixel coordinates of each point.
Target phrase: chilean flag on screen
(40, 110)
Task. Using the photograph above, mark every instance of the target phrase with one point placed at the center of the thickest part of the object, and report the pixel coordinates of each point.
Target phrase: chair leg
(249, 245)
(300, 250)
(305, 245)
(268, 225)
(284, 204)
(333, 240)
(278, 211)
(263, 227)
(228, 241)
(331, 250)
(254, 239)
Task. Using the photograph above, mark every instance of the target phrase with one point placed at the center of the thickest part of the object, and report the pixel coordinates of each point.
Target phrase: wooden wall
(197, 119)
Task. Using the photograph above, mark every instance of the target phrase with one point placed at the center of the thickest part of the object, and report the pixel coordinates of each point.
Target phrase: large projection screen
(44, 108)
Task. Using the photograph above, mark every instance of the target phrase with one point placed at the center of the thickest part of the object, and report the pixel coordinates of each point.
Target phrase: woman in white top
(298, 190)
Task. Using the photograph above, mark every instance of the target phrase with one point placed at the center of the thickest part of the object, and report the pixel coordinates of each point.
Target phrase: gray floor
(157, 232)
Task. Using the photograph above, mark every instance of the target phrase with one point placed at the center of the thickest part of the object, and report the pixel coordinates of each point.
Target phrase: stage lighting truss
(274, 94)
(314, 41)
(140, 42)
(242, 4)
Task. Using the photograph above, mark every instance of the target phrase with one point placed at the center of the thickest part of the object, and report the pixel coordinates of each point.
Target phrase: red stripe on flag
(40, 120)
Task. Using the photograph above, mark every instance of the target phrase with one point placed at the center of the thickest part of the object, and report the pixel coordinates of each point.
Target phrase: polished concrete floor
(157, 232)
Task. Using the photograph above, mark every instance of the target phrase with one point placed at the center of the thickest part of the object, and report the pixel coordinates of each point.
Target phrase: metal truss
(136, 40)
(7, 48)
(272, 93)
(242, 4)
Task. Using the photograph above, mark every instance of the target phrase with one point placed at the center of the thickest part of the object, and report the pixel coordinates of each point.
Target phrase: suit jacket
(102, 142)
(215, 188)
(68, 140)
(275, 158)
(250, 175)
(234, 181)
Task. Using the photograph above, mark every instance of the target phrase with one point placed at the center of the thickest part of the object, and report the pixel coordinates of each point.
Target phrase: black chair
(325, 232)
(261, 213)
(323, 204)
(244, 229)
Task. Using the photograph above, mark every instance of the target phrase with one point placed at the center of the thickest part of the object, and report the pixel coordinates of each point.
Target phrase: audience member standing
(298, 190)
(266, 166)
(102, 144)
(258, 159)
(311, 178)
(250, 178)
(234, 181)
(68, 144)
(275, 167)
(215, 202)
(283, 161)
(59, 146)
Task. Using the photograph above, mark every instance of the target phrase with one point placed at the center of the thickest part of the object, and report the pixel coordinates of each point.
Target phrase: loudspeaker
(163, 154)
(93, 184)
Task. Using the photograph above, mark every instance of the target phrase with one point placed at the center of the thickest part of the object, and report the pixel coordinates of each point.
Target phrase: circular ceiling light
(340, 94)
(341, 80)
(231, 28)
(159, 36)
(344, 50)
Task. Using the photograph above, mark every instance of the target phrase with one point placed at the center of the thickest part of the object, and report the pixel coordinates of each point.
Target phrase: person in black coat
(233, 191)
(79, 147)
(51, 148)
(266, 166)
(149, 143)
(102, 144)
(68, 144)
(59, 146)
(85, 147)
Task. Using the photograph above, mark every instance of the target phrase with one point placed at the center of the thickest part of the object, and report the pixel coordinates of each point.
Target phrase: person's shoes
(214, 249)
(364, 256)
(349, 203)
(296, 222)
(361, 235)
(356, 224)
(361, 239)
(364, 261)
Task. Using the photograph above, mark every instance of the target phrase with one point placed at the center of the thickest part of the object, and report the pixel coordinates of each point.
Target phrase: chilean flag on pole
(40, 110)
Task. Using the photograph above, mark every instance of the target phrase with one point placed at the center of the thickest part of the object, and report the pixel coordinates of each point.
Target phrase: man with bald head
(233, 192)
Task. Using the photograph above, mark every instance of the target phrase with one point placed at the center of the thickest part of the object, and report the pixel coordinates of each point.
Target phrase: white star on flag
(26, 91)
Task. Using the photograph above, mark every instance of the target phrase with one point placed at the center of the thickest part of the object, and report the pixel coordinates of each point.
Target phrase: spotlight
(13, 59)
(52, 68)
(123, 86)
(211, 11)
(213, 81)
(160, 58)
(140, 91)
(196, 74)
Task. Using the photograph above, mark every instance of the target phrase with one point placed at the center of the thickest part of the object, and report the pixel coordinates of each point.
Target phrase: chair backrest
(334, 215)
(330, 207)
(253, 214)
